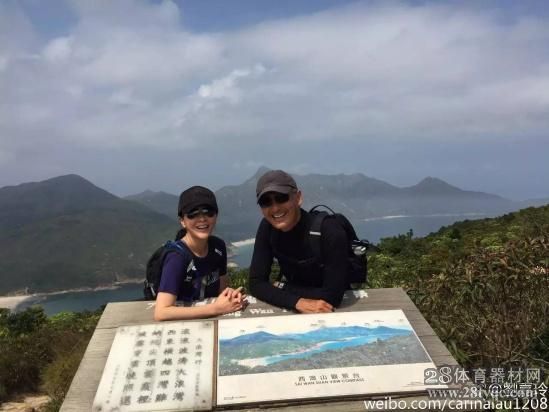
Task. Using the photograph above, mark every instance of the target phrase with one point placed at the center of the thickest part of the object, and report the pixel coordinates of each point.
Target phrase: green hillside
(482, 285)
(29, 202)
(404, 259)
(161, 202)
(77, 236)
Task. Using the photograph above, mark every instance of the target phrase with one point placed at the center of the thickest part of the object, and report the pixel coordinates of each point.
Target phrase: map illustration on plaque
(160, 367)
(307, 356)
(326, 346)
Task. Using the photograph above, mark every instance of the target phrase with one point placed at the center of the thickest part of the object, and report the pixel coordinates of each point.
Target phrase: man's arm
(334, 273)
(260, 270)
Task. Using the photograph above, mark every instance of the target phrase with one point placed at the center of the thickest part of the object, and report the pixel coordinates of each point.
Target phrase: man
(308, 286)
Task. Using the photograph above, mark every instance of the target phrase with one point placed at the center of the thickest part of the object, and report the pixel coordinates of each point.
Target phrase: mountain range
(65, 232)
(356, 196)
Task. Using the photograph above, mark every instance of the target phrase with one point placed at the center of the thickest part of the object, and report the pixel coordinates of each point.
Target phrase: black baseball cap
(194, 197)
(275, 181)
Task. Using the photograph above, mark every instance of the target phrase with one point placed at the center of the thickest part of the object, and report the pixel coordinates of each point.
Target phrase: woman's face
(199, 222)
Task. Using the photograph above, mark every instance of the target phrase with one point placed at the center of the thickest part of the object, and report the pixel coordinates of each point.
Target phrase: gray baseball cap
(275, 181)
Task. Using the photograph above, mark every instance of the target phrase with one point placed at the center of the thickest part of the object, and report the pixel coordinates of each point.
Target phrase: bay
(84, 300)
(373, 230)
(377, 228)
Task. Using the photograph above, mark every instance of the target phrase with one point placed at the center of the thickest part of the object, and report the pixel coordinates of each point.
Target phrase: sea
(371, 229)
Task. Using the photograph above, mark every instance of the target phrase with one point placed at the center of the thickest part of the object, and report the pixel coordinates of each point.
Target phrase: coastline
(244, 242)
(11, 302)
(390, 217)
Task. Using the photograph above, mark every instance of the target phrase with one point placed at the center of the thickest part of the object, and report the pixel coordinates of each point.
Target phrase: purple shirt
(190, 277)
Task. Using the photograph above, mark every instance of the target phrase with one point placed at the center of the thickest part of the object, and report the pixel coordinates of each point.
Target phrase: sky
(162, 95)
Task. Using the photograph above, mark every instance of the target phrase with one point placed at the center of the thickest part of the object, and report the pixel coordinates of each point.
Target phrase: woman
(199, 269)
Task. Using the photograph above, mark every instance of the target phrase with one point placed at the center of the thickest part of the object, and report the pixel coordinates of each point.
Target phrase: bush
(57, 375)
(238, 278)
(241, 277)
(72, 332)
(38, 351)
(22, 323)
(491, 308)
(25, 350)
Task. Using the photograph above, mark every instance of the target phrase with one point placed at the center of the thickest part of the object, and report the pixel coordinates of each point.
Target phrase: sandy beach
(11, 302)
(244, 242)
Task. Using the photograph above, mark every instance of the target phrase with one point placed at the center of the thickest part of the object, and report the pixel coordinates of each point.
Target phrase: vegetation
(482, 285)
(239, 277)
(66, 233)
(41, 353)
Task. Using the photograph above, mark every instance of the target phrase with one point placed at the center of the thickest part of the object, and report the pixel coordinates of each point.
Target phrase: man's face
(281, 211)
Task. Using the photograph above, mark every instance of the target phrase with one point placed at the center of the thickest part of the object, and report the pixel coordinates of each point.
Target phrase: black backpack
(154, 268)
(357, 248)
(358, 264)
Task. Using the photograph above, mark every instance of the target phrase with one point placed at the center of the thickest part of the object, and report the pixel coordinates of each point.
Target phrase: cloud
(250, 166)
(128, 74)
(6, 158)
(58, 49)
(195, 110)
(3, 63)
(226, 87)
(125, 97)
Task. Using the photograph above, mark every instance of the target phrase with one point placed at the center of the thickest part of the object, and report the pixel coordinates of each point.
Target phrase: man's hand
(313, 306)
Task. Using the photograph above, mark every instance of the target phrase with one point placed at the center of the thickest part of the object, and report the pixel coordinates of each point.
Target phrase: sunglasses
(278, 198)
(193, 214)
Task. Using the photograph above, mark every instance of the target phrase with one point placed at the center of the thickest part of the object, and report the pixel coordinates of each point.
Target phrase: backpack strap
(154, 267)
(324, 206)
(273, 238)
(173, 246)
(315, 233)
(357, 269)
(181, 248)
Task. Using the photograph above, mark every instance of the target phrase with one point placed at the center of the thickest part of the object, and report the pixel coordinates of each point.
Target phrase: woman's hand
(230, 300)
(238, 294)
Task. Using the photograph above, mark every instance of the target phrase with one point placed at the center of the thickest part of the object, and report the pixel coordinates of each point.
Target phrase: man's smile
(279, 215)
